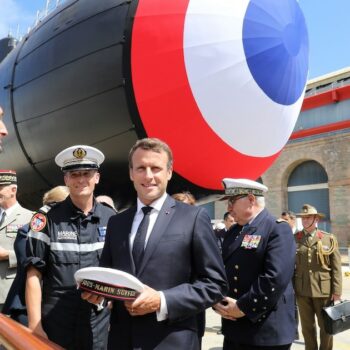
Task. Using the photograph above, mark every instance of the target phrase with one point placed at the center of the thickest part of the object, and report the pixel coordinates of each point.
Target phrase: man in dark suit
(258, 254)
(179, 264)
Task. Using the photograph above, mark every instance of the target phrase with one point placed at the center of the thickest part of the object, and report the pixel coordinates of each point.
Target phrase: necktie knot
(146, 210)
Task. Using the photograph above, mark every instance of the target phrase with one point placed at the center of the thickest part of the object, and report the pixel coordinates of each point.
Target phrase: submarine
(221, 82)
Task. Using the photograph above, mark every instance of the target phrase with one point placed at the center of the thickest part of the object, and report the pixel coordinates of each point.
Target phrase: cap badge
(79, 153)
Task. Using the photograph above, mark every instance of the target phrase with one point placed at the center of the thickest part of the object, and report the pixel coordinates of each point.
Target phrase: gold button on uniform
(236, 267)
(235, 290)
(235, 278)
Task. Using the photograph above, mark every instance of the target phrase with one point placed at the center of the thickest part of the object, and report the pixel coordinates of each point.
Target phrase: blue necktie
(140, 238)
(2, 218)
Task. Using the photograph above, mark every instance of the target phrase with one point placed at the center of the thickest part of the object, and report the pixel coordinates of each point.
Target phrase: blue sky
(327, 22)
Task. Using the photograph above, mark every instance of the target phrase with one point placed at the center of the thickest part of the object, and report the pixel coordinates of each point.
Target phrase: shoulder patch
(38, 222)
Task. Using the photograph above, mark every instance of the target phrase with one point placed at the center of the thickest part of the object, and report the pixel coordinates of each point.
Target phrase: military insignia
(299, 235)
(38, 222)
(13, 228)
(79, 153)
(319, 234)
(101, 233)
(251, 241)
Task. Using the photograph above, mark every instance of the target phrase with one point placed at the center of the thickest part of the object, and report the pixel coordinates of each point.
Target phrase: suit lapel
(126, 239)
(166, 213)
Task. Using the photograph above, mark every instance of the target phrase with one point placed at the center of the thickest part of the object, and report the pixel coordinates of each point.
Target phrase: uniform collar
(10, 210)
(77, 212)
(157, 204)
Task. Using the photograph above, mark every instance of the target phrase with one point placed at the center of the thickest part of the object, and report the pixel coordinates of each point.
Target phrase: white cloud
(13, 17)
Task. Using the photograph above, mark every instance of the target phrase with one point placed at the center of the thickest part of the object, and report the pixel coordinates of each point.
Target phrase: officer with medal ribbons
(12, 217)
(259, 257)
(317, 278)
(64, 238)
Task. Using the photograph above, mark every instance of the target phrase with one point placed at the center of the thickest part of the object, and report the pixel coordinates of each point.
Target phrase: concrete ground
(213, 341)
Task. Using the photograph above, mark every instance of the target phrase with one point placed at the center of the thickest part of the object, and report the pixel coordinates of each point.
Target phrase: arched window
(308, 184)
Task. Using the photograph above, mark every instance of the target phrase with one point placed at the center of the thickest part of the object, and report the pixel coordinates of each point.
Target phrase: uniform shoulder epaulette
(47, 207)
(281, 220)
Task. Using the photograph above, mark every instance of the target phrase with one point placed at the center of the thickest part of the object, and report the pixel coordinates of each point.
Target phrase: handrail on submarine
(14, 336)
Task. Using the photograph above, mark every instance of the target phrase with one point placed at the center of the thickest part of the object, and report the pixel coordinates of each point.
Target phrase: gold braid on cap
(323, 255)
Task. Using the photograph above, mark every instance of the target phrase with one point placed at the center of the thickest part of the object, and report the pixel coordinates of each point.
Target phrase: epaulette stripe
(45, 209)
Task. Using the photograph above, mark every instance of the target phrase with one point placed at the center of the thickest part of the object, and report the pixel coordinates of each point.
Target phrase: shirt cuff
(162, 314)
(12, 259)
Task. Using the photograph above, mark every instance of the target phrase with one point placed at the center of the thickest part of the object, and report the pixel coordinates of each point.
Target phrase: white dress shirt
(162, 314)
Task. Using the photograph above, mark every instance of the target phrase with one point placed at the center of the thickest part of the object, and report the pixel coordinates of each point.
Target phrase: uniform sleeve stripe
(74, 247)
(39, 236)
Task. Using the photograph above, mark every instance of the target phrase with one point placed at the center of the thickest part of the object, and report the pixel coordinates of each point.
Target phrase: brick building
(314, 166)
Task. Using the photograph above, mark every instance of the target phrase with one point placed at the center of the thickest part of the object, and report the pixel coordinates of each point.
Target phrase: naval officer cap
(8, 177)
(79, 157)
(237, 187)
(109, 283)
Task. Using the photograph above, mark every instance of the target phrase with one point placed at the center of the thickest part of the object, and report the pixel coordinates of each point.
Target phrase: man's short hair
(152, 144)
(288, 213)
(185, 197)
(226, 215)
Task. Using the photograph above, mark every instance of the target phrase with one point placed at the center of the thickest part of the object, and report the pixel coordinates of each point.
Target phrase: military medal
(251, 241)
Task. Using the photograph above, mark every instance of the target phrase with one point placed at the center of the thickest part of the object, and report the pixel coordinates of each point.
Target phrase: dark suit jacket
(182, 260)
(259, 271)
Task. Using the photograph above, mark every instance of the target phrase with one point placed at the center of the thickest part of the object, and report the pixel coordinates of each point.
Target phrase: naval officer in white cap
(258, 254)
(64, 238)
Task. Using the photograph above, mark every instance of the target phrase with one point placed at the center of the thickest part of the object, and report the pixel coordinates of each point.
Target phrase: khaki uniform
(8, 232)
(317, 276)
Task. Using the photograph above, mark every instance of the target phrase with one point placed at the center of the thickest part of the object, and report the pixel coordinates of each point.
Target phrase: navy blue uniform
(259, 262)
(60, 243)
(15, 304)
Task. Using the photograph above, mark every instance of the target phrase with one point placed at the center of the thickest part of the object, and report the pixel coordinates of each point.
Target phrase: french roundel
(222, 82)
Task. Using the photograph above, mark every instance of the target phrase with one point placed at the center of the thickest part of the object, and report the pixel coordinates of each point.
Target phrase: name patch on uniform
(251, 241)
(67, 235)
(38, 222)
(102, 233)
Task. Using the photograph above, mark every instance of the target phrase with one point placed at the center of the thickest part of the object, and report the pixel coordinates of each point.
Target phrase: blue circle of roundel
(276, 47)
